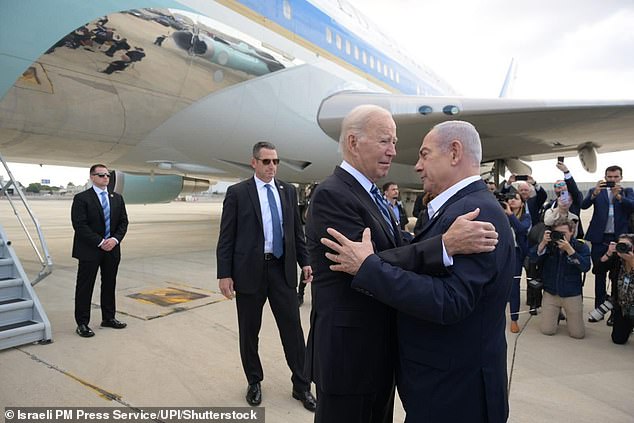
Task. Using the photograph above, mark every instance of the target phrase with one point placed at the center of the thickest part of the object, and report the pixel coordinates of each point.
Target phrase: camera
(556, 236)
(560, 159)
(599, 312)
(503, 198)
(623, 247)
(608, 184)
(521, 177)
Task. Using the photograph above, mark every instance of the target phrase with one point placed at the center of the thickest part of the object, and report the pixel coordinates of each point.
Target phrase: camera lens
(556, 235)
(623, 247)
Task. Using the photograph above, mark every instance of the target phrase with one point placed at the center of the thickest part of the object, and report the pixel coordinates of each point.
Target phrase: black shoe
(307, 399)
(254, 394)
(533, 312)
(610, 321)
(113, 323)
(84, 331)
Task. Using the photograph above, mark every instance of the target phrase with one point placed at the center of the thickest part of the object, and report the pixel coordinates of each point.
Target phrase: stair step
(17, 325)
(11, 301)
(6, 261)
(25, 332)
(9, 282)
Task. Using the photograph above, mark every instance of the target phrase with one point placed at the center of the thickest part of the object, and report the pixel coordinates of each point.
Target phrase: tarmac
(184, 353)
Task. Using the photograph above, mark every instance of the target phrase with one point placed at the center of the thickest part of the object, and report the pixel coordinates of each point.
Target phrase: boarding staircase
(22, 317)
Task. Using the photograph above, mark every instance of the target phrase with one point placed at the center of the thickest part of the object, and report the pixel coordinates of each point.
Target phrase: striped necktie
(106, 212)
(382, 205)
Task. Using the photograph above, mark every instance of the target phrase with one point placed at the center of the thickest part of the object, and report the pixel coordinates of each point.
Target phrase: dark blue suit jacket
(622, 210)
(451, 324)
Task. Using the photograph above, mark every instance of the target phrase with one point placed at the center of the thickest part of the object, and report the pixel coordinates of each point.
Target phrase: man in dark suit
(100, 222)
(568, 184)
(352, 341)
(533, 194)
(451, 322)
(391, 193)
(261, 242)
(612, 207)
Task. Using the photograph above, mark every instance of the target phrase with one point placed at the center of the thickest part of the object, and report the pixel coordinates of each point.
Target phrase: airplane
(174, 93)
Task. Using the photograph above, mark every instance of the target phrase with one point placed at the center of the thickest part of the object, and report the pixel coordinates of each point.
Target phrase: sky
(564, 49)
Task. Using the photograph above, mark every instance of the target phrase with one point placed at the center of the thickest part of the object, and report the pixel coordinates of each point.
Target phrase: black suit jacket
(90, 227)
(451, 324)
(351, 342)
(240, 250)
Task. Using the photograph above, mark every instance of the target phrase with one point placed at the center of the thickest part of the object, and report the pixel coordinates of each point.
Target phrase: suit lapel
(357, 190)
(286, 211)
(97, 202)
(255, 200)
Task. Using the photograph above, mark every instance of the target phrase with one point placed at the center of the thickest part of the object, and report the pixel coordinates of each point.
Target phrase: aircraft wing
(509, 128)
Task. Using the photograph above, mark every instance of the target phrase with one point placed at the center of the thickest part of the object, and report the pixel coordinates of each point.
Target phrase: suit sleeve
(444, 299)
(627, 199)
(420, 257)
(573, 189)
(227, 236)
(79, 218)
(588, 201)
(122, 226)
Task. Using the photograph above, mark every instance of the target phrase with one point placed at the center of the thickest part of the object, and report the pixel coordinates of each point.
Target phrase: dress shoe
(515, 328)
(610, 321)
(113, 323)
(84, 331)
(533, 312)
(254, 394)
(307, 399)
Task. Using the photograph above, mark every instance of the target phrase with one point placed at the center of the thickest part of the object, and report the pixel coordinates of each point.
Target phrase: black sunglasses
(267, 162)
(102, 175)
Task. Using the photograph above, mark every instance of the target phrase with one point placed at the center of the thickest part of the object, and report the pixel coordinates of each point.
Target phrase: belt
(269, 257)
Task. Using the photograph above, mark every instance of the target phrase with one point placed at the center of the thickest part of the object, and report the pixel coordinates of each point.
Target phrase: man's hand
(467, 236)
(226, 287)
(562, 167)
(565, 246)
(307, 272)
(108, 244)
(350, 255)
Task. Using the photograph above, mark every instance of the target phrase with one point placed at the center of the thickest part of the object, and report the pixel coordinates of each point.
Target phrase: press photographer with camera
(562, 209)
(520, 222)
(563, 259)
(612, 207)
(620, 260)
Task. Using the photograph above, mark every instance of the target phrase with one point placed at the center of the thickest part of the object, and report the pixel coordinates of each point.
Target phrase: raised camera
(623, 247)
(556, 236)
(608, 184)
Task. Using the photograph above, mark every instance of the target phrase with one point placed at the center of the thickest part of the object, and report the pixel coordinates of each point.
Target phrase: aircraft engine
(138, 188)
(518, 167)
(588, 157)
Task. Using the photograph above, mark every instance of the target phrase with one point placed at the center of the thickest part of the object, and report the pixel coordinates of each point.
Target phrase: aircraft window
(348, 47)
(398, 78)
(364, 57)
(379, 66)
(386, 72)
(371, 62)
(338, 41)
(356, 52)
(288, 14)
(328, 35)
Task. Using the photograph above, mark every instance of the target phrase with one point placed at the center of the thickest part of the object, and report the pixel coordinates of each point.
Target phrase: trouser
(573, 307)
(622, 328)
(108, 264)
(514, 300)
(599, 269)
(285, 308)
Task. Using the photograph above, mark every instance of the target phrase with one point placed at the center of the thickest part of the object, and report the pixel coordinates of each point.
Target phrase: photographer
(620, 260)
(562, 210)
(612, 207)
(563, 260)
(534, 196)
(520, 222)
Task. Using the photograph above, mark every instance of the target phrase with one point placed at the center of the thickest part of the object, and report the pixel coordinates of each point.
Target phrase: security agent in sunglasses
(100, 222)
(261, 242)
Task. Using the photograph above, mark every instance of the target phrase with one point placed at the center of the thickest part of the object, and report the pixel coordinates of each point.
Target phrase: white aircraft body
(176, 92)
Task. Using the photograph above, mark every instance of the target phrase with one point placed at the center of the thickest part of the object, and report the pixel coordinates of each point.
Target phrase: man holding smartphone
(569, 186)
(612, 207)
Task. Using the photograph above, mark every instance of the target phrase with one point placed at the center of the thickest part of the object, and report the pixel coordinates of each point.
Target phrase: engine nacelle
(518, 167)
(588, 157)
(138, 188)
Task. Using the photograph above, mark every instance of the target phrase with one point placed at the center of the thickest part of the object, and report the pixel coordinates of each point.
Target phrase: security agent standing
(100, 222)
(261, 242)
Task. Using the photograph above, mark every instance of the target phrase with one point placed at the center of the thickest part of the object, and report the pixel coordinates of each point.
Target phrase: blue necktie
(106, 212)
(382, 204)
(278, 246)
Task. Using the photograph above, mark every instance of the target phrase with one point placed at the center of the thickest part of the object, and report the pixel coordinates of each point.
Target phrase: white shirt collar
(360, 177)
(438, 201)
(99, 190)
(259, 183)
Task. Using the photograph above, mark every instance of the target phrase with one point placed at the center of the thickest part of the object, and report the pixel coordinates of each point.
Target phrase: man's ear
(456, 151)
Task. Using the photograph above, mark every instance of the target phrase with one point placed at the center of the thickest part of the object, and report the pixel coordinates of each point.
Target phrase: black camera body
(623, 247)
(556, 236)
(608, 184)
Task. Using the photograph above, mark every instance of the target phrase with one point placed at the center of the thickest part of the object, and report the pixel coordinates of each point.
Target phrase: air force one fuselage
(187, 87)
